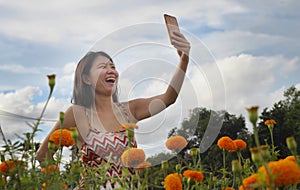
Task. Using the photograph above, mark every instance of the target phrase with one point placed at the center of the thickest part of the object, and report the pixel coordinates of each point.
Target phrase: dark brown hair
(83, 94)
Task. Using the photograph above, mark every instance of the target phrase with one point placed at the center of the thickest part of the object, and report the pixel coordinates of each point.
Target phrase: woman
(98, 115)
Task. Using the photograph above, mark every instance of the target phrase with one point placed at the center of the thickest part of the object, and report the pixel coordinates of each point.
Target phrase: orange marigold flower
(173, 182)
(292, 158)
(248, 181)
(8, 165)
(64, 186)
(66, 137)
(176, 143)
(227, 144)
(50, 169)
(133, 156)
(129, 126)
(194, 175)
(241, 144)
(143, 165)
(270, 121)
(286, 172)
(228, 188)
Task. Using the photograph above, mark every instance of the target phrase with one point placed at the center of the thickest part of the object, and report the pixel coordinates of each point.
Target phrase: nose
(110, 70)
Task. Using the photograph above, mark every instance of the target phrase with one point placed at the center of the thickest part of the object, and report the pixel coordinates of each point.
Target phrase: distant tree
(286, 113)
(194, 129)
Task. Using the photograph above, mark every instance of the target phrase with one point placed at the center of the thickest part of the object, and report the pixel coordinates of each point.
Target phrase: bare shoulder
(69, 120)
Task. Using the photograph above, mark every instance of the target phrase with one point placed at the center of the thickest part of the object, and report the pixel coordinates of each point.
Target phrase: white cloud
(65, 79)
(20, 102)
(229, 43)
(14, 68)
(83, 21)
(256, 48)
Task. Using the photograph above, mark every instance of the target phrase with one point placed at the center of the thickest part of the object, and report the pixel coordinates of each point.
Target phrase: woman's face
(103, 76)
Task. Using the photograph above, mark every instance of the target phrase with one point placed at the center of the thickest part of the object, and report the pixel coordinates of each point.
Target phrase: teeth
(111, 79)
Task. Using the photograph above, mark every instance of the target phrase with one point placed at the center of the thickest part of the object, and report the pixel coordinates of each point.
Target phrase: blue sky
(243, 54)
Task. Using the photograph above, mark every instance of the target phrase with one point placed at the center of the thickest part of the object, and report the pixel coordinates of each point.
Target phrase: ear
(86, 79)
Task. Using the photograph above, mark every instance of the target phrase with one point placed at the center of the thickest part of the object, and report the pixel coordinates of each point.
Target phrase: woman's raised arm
(146, 107)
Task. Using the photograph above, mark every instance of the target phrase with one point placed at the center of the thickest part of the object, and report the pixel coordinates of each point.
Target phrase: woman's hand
(181, 44)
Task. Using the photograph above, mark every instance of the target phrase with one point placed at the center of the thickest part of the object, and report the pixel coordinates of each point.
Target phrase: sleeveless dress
(101, 146)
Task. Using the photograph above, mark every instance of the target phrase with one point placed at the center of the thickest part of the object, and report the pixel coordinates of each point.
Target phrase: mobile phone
(172, 24)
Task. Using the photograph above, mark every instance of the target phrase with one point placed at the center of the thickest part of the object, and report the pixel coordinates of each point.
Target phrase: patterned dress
(101, 146)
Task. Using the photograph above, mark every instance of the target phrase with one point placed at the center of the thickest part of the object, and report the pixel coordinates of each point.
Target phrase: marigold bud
(74, 133)
(236, 166)
(265, 153)
(165, 165)
(194, 152)
(51, 81)
(51, 145)
(61, 117)
(253, 115)
(255, 155)
(291, 144)
(178, 167)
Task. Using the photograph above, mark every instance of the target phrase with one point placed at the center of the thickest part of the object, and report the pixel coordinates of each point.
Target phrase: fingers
(178, 36)
(180, 42)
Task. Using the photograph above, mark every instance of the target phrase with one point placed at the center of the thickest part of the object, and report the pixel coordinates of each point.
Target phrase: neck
(103, 102)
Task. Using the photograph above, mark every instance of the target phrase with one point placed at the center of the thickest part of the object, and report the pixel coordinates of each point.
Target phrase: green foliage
(286, 113)
(196, 125)
(27, 173)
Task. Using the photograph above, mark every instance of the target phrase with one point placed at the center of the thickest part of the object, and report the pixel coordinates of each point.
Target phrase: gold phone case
(171, 23)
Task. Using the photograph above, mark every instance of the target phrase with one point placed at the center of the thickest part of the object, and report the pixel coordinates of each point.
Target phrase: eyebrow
(104, 63)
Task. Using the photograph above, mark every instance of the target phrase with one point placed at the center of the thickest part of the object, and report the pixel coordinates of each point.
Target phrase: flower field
(19, 168)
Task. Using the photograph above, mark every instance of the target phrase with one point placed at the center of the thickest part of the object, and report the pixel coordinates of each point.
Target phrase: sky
(242, 54)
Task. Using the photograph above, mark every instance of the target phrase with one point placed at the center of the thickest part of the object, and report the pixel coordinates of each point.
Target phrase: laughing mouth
(110, 80)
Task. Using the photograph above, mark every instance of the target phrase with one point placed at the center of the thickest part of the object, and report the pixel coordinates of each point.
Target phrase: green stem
(241, 180)
(35, 129)
(199, 162)
(224, 161)
(272, 141)
(234, 180)
(224, 167)
(239, 156)
(256, 136)
(7, 144)
(60, 140)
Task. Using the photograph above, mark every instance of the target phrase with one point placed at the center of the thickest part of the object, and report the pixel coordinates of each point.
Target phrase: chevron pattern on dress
(105, 139)
(107, 144)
